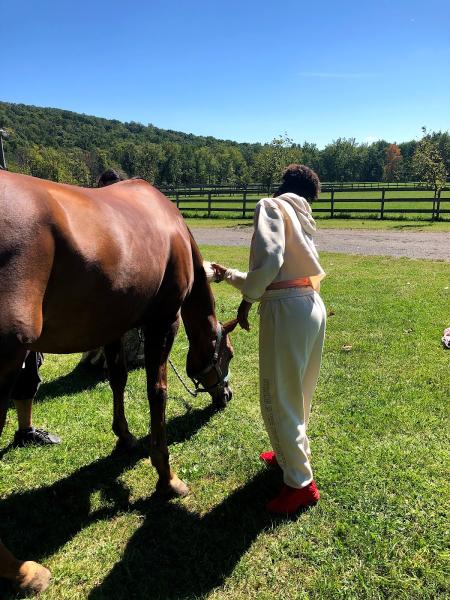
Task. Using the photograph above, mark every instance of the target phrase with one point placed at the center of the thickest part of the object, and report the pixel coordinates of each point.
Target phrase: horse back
(90, 262)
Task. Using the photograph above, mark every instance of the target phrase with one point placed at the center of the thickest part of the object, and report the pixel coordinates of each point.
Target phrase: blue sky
(241, 70)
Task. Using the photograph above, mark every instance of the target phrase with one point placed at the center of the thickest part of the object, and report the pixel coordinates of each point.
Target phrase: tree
(343, 160)
(392, 169)
(374, 162)
(428, 163)
(271, 160)
(148, 162)
(171, 167)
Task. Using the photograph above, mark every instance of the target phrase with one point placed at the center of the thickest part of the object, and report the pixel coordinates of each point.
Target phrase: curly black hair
(109, 177)
(300, 180)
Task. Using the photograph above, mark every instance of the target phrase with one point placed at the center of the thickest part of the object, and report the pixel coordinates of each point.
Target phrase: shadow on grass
(82, 377)
(5, 450)
(421, 224)
(174, 554)
(180, 554)
(36, 523)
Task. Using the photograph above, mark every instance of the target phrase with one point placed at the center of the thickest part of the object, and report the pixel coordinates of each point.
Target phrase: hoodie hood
(302, 210)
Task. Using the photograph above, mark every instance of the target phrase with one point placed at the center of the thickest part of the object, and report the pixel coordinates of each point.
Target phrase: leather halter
(222, 379)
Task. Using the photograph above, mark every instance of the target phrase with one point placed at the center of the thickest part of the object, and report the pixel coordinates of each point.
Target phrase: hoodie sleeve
(266, 252)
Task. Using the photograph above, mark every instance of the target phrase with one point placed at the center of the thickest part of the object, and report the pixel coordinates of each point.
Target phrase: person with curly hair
(284, 276)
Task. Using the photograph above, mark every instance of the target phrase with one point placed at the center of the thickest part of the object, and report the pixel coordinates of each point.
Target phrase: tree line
(74, 148)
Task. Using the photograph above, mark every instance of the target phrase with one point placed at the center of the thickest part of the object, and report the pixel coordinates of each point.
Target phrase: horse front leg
(118, 375)
(158, 343)
(27, 577)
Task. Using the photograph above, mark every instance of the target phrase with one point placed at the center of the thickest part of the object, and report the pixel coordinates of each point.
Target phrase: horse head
(214, 377)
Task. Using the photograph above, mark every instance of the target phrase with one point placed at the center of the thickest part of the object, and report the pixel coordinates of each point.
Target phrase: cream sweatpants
(291, 336)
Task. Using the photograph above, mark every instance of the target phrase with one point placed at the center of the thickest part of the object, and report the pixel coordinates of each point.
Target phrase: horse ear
(230, 326)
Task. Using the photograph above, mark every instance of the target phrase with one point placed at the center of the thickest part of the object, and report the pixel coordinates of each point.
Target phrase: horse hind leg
(158, 343)
(117, 375)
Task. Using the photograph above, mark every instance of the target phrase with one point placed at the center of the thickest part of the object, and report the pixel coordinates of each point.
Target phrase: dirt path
(435, 246)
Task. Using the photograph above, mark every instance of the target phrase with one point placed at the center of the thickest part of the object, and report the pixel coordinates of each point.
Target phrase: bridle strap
(215, 358)
(214, 364)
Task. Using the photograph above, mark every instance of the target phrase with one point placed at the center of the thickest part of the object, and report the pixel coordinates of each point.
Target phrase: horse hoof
(127, 443)
(33, 578)
(176, 488)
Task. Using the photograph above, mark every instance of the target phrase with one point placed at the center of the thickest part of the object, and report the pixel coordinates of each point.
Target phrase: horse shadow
(38, 522)
(178, 554)
(175, 554)
(82, 377)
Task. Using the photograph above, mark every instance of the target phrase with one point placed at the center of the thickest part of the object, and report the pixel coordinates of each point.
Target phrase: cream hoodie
(282, 247)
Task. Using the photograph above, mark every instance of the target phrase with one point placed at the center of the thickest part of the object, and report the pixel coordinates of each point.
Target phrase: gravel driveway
(435, 246)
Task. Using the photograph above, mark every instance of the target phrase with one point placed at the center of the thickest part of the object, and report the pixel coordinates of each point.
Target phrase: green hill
(66, 146)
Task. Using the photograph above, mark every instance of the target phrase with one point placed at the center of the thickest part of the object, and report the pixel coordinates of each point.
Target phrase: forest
(76, 148)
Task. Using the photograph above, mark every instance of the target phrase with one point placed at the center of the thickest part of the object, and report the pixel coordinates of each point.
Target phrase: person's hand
(219, 272)
(242, 314)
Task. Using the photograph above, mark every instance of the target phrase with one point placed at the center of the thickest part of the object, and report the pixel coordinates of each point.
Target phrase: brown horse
(79, 268)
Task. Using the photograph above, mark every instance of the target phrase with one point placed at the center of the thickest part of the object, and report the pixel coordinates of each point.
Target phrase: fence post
(438, 205)
(209, 203)
(244, 204)
(434, 206)
(383, 192)
(332, 204)
(177, 197)
(3, 136)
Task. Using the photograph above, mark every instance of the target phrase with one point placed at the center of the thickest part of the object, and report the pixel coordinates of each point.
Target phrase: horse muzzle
(222, 396)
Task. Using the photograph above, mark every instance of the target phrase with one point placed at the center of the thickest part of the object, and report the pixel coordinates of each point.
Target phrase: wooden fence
(335, 201)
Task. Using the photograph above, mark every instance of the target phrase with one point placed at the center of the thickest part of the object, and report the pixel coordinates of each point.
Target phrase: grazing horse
(80, 267)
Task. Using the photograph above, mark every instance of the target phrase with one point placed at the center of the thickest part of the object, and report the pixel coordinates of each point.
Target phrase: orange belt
(290, 283)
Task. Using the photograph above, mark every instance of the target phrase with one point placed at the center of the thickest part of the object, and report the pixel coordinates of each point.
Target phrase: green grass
(324, 223)
(379, 436)
(195, 206)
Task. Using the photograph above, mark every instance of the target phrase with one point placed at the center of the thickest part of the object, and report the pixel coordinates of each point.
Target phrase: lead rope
(194, 393)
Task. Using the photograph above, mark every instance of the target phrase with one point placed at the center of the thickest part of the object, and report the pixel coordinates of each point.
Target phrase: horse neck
(198, 310)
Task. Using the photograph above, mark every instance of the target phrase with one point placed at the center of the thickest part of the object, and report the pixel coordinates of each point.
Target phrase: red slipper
(290, 500)
(269, 458)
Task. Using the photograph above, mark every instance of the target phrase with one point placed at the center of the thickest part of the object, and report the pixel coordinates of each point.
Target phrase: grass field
(379, 435)
(347, 204)
(324, 223)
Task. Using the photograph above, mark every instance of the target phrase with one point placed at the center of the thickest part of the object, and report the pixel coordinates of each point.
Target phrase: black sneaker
(34, 437)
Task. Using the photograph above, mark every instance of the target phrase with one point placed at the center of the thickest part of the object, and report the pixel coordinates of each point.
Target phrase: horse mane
(199, 302)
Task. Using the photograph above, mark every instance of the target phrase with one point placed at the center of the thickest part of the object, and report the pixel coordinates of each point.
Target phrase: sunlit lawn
(379, 434)
(326, 223)
(346, 203)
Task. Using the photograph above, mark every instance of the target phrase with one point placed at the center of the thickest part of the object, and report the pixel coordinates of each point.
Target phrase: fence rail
(348, 201)
(326, 186)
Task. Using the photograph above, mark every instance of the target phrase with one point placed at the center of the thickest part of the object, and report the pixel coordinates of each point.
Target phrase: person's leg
(312, 370)
(23, 394)
(24, 410)
(289, 331)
